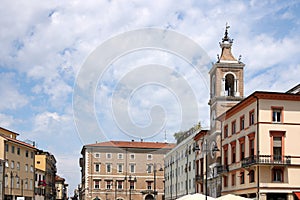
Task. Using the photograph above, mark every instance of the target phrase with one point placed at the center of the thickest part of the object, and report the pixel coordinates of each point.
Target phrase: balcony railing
(222, 169)
(199, 178)
(266, 160)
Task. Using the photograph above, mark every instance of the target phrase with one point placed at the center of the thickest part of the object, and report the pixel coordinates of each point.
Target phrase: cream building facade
(179, 164)
(260, 146)
(18, 173)
(123, 170)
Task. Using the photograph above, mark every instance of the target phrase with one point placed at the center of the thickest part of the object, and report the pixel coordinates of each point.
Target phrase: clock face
(213, 118)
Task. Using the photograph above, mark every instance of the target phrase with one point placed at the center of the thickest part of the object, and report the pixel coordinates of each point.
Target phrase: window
(251, 147)
(12, 164)
(251, 117)
(132, 156)
(26, 168)
(17, 182)
(31, 168)
(96, 184)
(149, 156)
(233, 153)
(277, 148)
(31, 154)
(242, 123)
(225, 181)
(18, 150)
(6, 148)
(120, 168)
(277, 175)
(242, 177)
(132, 168)
(12, 149)
(276, 114)
(233, 179)
(149, 185)
(108, 185)
(97, 155)
(18, 165)
(97, 167)
(225, 157)
(131, 187)
(6, 181)
(242, 150)
(149, 168)
(120, 156)
(226, 131)
(26, 153)
(108, 168)
(108, 156)
(233, 127)
(251, 176)
(120, 185)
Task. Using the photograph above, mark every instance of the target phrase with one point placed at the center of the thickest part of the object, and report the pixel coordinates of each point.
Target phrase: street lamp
(154, 176)
(206, 151)
(131, 181)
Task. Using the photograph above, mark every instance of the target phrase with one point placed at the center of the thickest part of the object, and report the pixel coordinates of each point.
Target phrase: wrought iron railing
(266, 159)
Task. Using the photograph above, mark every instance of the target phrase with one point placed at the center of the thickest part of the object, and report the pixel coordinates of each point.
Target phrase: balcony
(199, 178)
(222, 169)
(266, 160)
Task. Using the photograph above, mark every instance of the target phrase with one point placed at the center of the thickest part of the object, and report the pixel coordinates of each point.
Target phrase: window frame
(277, 110)
(242, 122)
(233, 127)
(251, 117)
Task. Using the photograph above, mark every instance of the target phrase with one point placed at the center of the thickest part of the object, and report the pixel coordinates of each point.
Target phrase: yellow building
(260, 149)
(18, 175)
(123, 170)
(46, 162)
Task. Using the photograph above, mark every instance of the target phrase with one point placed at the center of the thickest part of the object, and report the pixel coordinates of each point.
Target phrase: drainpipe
(257, 143)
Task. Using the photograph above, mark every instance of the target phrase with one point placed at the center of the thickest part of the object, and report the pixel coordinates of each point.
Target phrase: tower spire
(226, 55)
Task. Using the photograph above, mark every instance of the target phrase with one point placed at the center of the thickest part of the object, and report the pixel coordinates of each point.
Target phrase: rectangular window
(12, 149)
(132, 156)
(120, 168)
(277, 175)
(226, 157)
(251, 176)
(12, 164)
(6, 148)
(97, 167)
(226, 131)
(251, 117)
(108, 156)
(131, 187)
(242, 150)
(96, 184)
(242, 123)
(120, 185)
(97, 155)
(132, 168)
(242, 177)
(18, 165)
(149, 185)
(233, 179)
(251, 147)
(26, 153)
(276, 114)
(277, 148)
(31, 155)
(149, 156)
(120, 156)
(233, 127)
(26, 168)
(18, 150)
(225, 181)
(108, 185)
(149, 168)
(233, 153)
(108, 168)
(31, 168)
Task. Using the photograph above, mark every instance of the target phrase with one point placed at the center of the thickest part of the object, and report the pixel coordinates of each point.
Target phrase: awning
(297, 194)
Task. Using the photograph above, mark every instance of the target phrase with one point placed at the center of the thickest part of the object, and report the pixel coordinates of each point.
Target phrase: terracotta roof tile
(134, 144)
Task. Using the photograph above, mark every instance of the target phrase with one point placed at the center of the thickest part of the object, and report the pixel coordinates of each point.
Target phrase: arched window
(229, 85)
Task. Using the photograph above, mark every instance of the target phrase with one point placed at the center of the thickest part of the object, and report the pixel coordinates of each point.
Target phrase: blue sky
(44, 45)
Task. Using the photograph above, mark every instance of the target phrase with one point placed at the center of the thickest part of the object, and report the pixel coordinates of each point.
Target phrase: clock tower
(226, 83)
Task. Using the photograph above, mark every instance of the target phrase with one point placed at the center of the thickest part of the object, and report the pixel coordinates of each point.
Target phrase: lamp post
(206, 151)
(154, 177)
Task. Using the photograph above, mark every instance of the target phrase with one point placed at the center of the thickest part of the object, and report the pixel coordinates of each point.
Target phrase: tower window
(229, 85)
